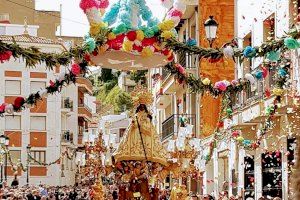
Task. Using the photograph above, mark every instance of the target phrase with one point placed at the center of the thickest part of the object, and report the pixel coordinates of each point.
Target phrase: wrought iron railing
(170, 125)
(67, 136)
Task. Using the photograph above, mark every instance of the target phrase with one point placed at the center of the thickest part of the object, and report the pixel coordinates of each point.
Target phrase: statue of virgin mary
(141, 142)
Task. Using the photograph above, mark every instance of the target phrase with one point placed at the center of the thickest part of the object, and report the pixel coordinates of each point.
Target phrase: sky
(74, 21)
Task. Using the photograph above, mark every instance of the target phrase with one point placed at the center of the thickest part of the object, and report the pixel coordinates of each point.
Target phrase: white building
(53, 126)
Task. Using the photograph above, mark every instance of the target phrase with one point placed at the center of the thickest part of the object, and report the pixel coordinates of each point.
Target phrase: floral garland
(63, 79)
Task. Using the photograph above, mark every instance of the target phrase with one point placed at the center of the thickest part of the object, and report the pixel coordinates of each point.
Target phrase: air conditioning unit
(4, 18)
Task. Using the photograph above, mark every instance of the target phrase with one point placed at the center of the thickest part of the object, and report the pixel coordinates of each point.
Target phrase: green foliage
(139, 76)
(120, 99)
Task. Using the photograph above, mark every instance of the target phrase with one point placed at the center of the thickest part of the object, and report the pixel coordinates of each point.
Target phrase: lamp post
(28, 153)
(211, 27)
(2, 143)
(6, 152)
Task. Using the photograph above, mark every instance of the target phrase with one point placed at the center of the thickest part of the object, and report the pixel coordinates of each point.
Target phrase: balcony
(170, 125)
(85, 111)
(85, 85)
(67, 137)
(188, 61)
(66, 105)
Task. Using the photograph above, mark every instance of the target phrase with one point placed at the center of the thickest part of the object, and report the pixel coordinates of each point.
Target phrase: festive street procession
(150, 99)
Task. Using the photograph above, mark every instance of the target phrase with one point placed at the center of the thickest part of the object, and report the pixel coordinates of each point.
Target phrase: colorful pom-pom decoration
(291, 43)
(249, 52)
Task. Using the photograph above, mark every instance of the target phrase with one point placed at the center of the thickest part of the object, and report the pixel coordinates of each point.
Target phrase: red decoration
(235, 133)
(149, 41)
(170, 58)
(19, 101)
(95, 53)
(264, 72)
(131, 35)
(5, 56)
(267, 93)
(75, 69)
(87, 57)
(2, 108)
(175, 13)
(137, 48)
(51, 83)
(180, 69)
(220, 124)
(254, 145)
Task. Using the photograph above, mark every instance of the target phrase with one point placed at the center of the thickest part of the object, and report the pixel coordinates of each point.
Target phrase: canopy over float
(134, 38)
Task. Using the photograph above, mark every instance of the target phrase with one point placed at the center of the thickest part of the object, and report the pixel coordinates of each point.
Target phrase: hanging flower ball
(191, 42)
(282, 72)
(19, 101)
(206, 81)
(228, 51)
(5, 56)
(166, 25)
(264, 72)
(75, 69)
(90, 44)
(175, 13)
(240, 139)
(259, 74)
(250, 78)
(179, 5)
(167, 34)
(249, 52)
(140, 35)
(2, 107)
(273, 56)
(127, 45)
(131, 35)
(111, 36)
(291, 43)
(235, 133)
(88, 4)
(229, 111)
(220, 85)
(278, 91)
(167, 3)
(246, 142)
(103, 4)
(9, 108)
(147, 52)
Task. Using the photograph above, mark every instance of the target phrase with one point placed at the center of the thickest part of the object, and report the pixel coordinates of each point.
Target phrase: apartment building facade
(265, 171)
(54, 126)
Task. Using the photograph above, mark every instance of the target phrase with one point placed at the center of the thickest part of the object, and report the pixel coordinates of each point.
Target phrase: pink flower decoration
(234, 82)
(175, 13)
(87, 4)
(75, 69)
(180, 68)
(220, 85)
(2, 108)
(104, 4)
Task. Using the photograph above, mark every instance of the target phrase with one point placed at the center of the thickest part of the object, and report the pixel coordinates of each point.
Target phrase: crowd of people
(42, 192)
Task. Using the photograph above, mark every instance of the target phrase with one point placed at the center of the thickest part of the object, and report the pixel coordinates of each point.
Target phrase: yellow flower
(95, 27)
(140, 35)
(278, 91)
(111, 36)
(103, 48)
(240, 139)
(147, 52)
(206, 81)
(157, 46)
(127, 45)
(167, 34)
(166, 25)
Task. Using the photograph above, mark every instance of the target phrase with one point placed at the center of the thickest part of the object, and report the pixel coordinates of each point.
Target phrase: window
(12, 122)
(13, 87)
(272, 174)
(249, 177)
(15, 156)
(38, 123)
(38, 156)
(35, 86)
(269, 28)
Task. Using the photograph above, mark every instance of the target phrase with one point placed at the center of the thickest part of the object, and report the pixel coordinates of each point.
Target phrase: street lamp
(6, 143)
(211, 27)
(2, 143)
(28, 153)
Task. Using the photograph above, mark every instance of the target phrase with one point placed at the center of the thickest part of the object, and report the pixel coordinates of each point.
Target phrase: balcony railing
(83, 105)
(171, 125)
(188, 61)
(67, 137)
(67, 103)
